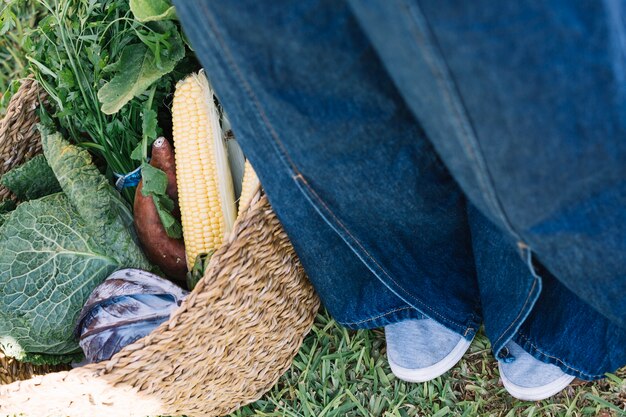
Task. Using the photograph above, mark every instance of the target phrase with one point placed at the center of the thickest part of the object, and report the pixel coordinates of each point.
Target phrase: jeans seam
(469, 330)
(250, 93)
(527, 340)
(444, 79)
(521, 312)
(273, 135)
(377, 317)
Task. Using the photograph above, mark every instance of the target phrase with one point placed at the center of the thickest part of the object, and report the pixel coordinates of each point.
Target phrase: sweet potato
(162, 250)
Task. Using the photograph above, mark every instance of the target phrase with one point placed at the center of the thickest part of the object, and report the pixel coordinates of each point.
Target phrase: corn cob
(249, 186)
(205, 187)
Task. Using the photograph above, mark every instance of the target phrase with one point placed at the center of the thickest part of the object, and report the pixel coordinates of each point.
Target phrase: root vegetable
(162, 250)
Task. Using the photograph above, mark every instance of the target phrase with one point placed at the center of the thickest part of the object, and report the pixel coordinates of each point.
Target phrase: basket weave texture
(19, 137)
(225, 346)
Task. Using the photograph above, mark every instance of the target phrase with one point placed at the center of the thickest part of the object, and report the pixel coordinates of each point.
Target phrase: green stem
(144, 139)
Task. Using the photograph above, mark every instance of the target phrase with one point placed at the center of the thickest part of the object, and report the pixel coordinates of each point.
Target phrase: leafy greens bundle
(109, 67)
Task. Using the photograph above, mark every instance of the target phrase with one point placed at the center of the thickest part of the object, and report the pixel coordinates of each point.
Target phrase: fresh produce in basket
(55, 250)
(250, 184)
(206, 193)
(165, 251)
(200, 265)
(94, 198)
(127, 306)
(107, 66)
(31, 180)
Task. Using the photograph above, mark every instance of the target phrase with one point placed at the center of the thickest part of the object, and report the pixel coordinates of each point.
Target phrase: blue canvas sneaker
(529, 379)
(421, 350)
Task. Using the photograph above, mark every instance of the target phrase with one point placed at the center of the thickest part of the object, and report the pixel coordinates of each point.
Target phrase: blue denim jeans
(463, 161)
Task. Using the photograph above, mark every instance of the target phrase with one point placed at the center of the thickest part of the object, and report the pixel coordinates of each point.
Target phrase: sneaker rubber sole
(535, 393)
(433, 371)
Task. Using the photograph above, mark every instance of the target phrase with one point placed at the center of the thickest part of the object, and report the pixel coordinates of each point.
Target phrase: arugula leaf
(149, 125)
(137, 153)
(31, 180)
(155, 185)
(164, 206)
(150, 10)
(98, 203)
(154, 180)
(139, 67)
(49, 264)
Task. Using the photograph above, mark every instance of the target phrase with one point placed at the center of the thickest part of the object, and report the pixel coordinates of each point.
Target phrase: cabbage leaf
(31, 180)
(106, 214)
(49, 264)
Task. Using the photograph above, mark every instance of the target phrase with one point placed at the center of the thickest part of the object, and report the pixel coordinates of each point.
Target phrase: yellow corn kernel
(205, 186)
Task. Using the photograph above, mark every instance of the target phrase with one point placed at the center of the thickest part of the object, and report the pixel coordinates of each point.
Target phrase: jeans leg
(525, 101)
(508, 288)
(551, 323)
(348, 289)
(567, 332)
(314, 109)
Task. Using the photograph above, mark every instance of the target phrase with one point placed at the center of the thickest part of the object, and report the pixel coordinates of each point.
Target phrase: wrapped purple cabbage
(127, 306)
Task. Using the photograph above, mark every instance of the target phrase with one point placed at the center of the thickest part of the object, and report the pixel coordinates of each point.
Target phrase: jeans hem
(540, 354)
(465, 329)
(401, 314)
(533, 295)
(384, 319)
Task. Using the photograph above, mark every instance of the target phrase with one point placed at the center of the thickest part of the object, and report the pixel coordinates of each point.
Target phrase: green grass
(345, 373)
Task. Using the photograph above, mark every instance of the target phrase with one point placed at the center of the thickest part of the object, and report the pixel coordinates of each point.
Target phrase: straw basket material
(19, 137)
(228, 343)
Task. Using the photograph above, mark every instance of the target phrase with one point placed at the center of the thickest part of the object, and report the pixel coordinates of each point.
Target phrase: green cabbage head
(55, 250)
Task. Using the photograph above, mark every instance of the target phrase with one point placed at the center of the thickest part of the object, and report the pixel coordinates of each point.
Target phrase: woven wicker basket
(227, 344)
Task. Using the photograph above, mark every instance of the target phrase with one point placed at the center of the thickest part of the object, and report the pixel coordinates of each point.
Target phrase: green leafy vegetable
(154, 180)
(164, 206)
(82, 50)
(47, 359)
(16, 19)
(149, 125)
(96, 201)
(155, 185)
(150, 10)
(31, 180)
(55, 250)
(139, 67)
(49, 264)
(6, 207)
(197, 271)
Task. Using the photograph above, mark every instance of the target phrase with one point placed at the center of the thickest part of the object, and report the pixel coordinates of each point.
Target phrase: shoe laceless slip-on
(421, 350)
(529, 379)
